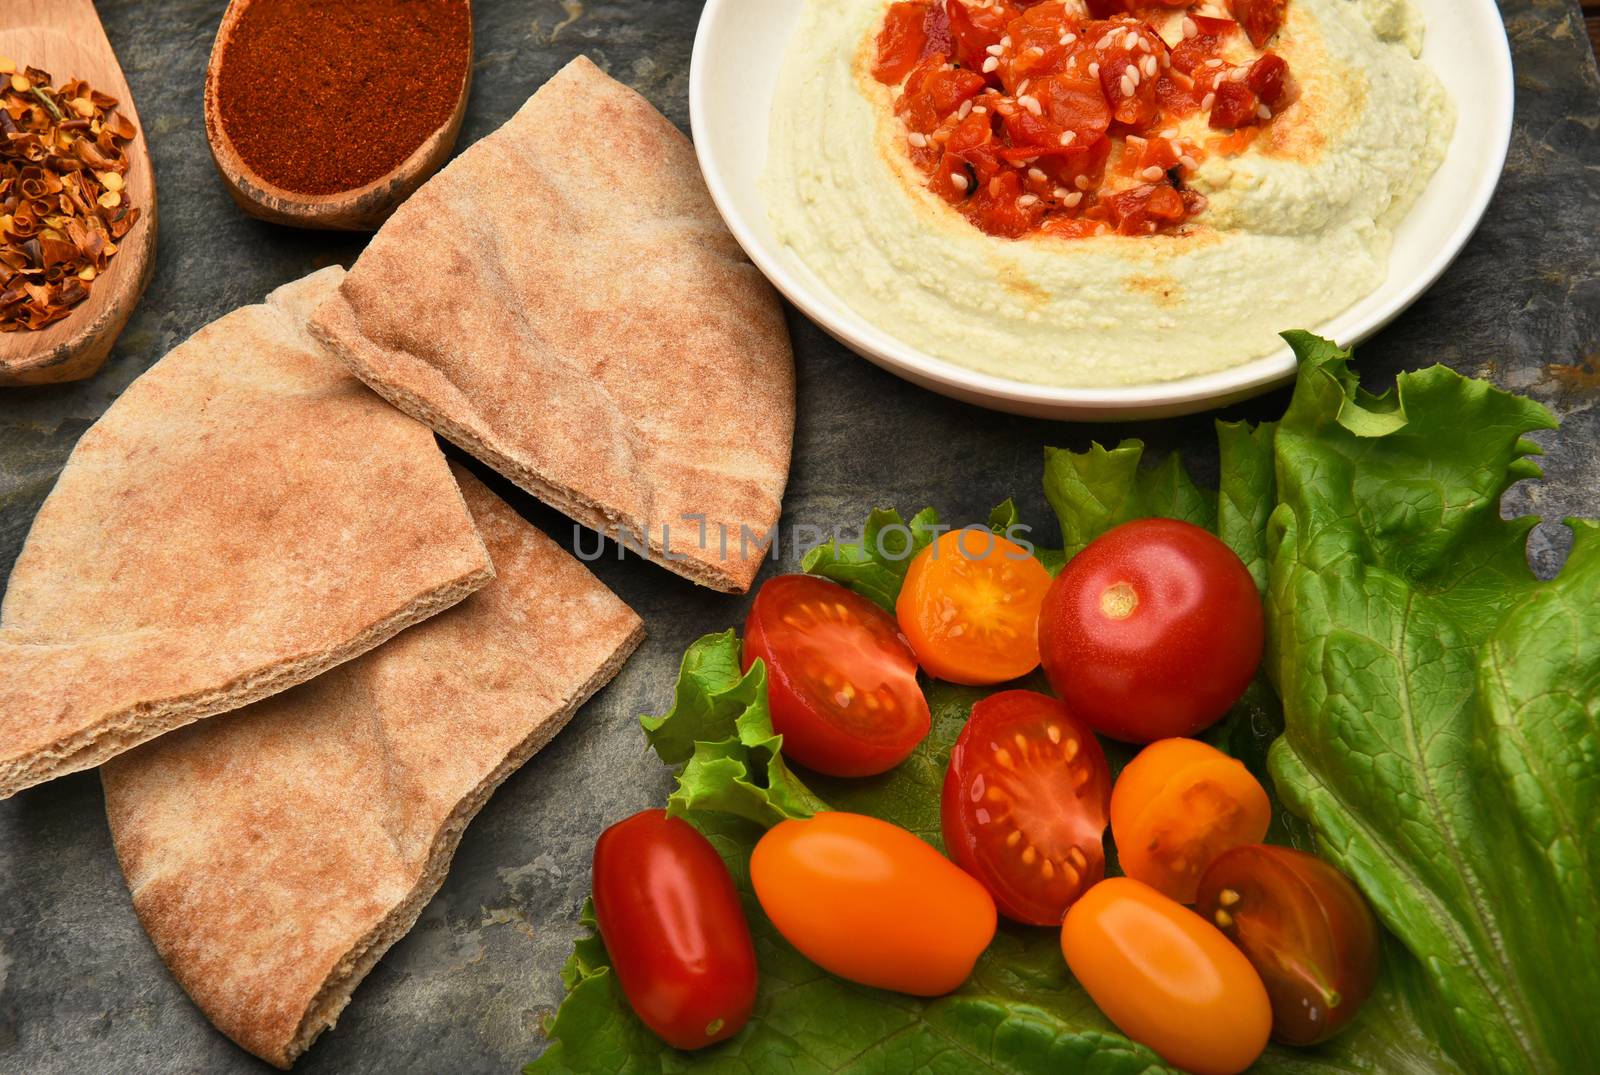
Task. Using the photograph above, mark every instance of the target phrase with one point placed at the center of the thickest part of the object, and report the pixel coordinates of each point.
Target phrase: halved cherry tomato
(970, 607)
(1025, 804)
(1179, 805)
(870, 902)
(841, 678)
(1152, 631)
(675, 930)
(1167, 977)
(1304, 927)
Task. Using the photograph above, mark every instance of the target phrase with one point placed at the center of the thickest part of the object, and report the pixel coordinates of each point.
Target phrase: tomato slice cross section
(841, 678)
(1025, 803)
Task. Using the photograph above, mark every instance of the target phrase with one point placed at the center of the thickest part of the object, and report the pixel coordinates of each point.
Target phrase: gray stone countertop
(81, 989)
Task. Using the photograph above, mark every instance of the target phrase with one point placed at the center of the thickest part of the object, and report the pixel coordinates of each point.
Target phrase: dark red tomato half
(1304, 927)
(674, 928)
(1025, 804)
(1151, 632)
(841, 678)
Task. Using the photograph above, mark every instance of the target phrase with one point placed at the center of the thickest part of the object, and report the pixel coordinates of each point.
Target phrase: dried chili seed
(63, 201)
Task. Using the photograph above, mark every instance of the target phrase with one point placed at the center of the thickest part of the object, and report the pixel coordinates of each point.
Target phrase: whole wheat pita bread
(564, 302)
(244, 517)
(274, 856)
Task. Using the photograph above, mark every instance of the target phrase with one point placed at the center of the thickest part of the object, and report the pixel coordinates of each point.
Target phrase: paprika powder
(323, 96)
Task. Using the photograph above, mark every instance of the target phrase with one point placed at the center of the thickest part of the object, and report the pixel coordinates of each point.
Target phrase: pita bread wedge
(244, 517)
(274, 856)
(564, 302)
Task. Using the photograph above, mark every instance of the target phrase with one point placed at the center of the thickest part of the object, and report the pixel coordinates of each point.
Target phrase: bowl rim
(1137, 400)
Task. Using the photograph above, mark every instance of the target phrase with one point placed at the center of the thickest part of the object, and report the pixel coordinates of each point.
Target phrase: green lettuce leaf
(719, 733)
(1440, 702)
(876, 567)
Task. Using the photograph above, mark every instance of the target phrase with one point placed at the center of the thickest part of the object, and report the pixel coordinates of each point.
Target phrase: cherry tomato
(1025, 803)
(1167, 977)
(1179, 805)
(674, 928)
(870, 902)
(841, 678)
(1304, 927)
(1152, 631)
(970, 607)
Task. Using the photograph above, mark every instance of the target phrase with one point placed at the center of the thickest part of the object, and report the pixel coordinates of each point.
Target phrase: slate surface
(81, 990)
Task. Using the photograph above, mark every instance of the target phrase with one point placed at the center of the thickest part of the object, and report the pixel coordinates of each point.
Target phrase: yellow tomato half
(970, 607)
(1177, 806)
(870, 902)
(1167, 977)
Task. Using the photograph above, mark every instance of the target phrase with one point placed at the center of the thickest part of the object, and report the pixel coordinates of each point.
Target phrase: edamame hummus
(1101, 192)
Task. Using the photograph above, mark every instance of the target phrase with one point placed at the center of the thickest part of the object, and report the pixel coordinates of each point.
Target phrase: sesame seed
(1264, 112)
(1062, 193)
(959, 180)
(1137, 142)
(965, 110)
(1068, 137)
(980, 110)
(1213, 63)
(1036, 175)
(1072, 201)
(1131, 72)
(1170, 133)
(1150, 67)
(1082, 182)
(994, 50)
(1206, 102)
(1238, 73)
(1188, 162)
(1031, 104)
(990, 65)
(1005, 41)
(1190, 27)
(1127, 85)
(1027, 200)
(1152, 173)
(1094, 70)
(1068, 39)
(1105, 42)
(1022, 87)
(1035, 51)
(1130, 39)
(994, 187)
(917, 139)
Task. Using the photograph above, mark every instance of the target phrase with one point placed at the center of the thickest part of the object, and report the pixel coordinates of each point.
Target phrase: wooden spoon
(65, 38)
(358, 209)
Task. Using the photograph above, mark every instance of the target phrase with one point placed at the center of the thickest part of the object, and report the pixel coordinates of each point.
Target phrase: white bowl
(740, 47)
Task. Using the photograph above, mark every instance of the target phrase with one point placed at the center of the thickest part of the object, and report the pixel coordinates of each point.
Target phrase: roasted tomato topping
(1261, 19)
(1028, 117)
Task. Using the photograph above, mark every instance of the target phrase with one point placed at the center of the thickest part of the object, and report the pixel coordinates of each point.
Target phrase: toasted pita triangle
(274, 856)
(563, 302)
(244, 517)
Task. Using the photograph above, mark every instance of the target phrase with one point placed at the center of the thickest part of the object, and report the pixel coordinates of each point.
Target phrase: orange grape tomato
(1167, 978)
(970, 606)
(1177, 806)
(870, 902)
(1305, 928)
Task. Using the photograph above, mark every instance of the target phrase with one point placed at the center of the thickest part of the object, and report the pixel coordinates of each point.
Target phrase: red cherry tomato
(674, 928)
(1151, 632)
(1304, 927)
(1025, 803)
(841, 678)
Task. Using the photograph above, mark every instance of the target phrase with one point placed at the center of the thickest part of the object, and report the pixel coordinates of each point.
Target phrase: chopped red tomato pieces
(1028, 117)
(1261, 19)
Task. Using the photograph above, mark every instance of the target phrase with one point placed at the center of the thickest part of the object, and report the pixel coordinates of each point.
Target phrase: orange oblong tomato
(1167, 977)
(970, 607)
(1177, 806)
(870, 902)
